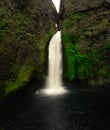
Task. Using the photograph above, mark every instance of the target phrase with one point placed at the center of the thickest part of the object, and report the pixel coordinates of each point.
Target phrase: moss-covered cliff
(25, 30)
(85, 25)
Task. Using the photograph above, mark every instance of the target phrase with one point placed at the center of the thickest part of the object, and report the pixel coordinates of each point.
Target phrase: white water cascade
(55, 62)
(55, 67)
(57, 4)
(54, 80)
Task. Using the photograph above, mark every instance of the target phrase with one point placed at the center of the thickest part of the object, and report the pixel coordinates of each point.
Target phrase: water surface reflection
(76, 110)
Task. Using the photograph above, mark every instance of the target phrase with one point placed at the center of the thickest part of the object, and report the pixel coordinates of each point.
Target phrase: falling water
(55, 61)
(57, 4)
(54, 79)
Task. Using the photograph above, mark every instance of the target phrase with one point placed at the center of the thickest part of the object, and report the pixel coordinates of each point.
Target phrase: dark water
(77, 110)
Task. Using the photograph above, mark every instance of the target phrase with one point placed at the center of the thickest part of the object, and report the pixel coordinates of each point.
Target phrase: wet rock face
(27, 26)
(25, 30)
(41, 8)
(69, 6)
(85, 29)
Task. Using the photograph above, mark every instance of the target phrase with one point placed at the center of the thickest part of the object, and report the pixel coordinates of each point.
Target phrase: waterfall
(55, 62)
(57, 4)
(54, 79)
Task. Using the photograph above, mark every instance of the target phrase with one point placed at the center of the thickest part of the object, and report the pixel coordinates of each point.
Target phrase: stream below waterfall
(81, 109)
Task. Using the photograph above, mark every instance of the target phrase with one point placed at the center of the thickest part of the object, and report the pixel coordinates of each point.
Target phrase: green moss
(96, 29)
(70, 51)
(3, 12)
(3, 28)
(72, 19)
(43, 46)
(21, 34)
(2, 25)
(103, 24)
(102, 72)
(77, 65)
(84, 66)
(107, 45)
(24, 77)
(86, 46)
(70, 71)
(24, 36)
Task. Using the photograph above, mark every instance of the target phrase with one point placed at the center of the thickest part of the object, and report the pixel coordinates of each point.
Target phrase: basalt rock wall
(85, 26)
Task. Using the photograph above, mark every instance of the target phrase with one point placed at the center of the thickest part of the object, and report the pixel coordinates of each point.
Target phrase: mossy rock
(99, 28)
(24, 77)
(86, 39)
(25, 30)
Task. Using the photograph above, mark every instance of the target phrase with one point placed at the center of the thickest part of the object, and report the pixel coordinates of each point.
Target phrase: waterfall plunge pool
(81, 109)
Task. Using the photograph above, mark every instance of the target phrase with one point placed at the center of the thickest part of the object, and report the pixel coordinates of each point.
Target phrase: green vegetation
(83, 53)
(77, 65)
(3, 28)
(102, 72)
(24, 77)
(23, 42)
(84, 66)
(72, 19)
(107, 45)
(98, 28)
(25, 31)
(2, 25)
(70, 51)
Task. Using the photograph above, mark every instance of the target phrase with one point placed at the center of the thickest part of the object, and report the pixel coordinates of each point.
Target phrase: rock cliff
(85, 26)
(25, 30)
